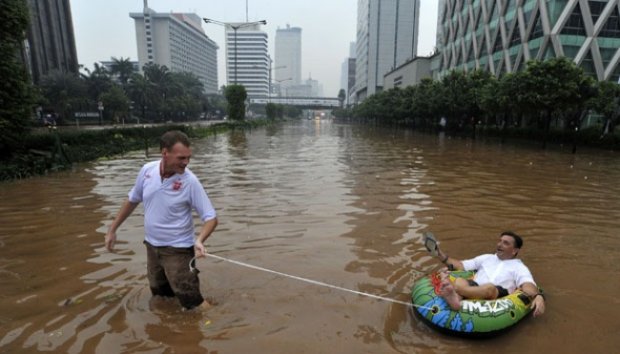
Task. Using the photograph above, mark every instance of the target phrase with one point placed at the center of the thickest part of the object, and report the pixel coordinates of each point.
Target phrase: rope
(317, 282)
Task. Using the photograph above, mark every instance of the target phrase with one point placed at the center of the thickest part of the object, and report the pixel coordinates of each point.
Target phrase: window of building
(516, 35)
(498, 41)
(588, 65)
(537, 31)
(612, 26)
(575, 25)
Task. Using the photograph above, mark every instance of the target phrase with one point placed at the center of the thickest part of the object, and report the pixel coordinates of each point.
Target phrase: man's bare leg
(486, 291)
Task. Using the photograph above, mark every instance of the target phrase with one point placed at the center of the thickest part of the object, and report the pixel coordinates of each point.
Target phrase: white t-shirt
(509, 274)
(168, 205)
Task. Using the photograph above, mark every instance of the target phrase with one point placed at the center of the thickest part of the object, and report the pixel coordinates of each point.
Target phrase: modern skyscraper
(50, 43)
(288, 56)
(501, 36)
(247, 59)
(387, 36)
(347, 74)
(177, 41)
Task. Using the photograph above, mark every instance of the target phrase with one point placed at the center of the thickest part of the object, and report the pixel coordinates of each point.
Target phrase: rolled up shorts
(501, 291)
(169, 274)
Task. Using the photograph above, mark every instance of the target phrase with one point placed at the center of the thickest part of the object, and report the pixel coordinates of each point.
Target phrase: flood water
(342, 205)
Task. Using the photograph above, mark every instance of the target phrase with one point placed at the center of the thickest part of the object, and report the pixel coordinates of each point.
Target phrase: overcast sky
(103, 29)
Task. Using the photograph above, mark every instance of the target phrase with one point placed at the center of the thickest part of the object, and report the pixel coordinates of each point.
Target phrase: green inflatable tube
(476, 318)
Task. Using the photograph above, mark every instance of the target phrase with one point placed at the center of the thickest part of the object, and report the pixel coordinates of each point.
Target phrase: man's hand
(110, 240)
(538, 305)
(199, 249)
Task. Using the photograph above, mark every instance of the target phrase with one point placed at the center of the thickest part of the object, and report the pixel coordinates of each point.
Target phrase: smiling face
(506, 247)
(175, 159)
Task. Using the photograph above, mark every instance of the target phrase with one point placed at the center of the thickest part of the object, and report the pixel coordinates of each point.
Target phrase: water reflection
(338, 204)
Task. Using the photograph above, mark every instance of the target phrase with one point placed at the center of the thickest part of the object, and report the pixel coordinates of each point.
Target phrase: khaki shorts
(169, 274)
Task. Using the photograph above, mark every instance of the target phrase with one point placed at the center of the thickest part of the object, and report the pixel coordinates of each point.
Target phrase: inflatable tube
(476, 318)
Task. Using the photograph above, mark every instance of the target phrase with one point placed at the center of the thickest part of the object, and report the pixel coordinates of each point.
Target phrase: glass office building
(502, 35)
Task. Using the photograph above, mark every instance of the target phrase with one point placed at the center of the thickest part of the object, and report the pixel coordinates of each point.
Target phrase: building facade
(247, 58)
(177, 41)
(347, 74)
(408, 74)
(50, 43)
(502, 35)
(387, 36)
(288, 56)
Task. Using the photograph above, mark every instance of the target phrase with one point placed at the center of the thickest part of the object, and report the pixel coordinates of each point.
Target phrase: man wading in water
(170, 192)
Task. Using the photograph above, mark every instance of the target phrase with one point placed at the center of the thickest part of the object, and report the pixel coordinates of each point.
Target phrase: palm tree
(98, 81)
(64, 92)
(122, 68)
(140, 90)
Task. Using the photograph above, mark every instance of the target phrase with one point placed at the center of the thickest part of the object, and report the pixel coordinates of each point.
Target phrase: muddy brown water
(332, 203)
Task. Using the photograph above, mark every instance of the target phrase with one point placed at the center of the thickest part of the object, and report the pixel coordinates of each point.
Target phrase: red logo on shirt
(177, 185)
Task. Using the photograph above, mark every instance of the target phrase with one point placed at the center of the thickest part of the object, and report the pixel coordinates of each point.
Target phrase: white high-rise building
(177, 41)
(387, 36)
(288, 56)
(247, 59)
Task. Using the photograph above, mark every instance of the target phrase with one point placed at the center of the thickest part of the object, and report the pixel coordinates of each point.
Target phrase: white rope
(316, 282)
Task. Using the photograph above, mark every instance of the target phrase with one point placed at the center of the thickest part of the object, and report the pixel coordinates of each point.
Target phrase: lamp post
(280, 86)
(235, 27)
(270, 69)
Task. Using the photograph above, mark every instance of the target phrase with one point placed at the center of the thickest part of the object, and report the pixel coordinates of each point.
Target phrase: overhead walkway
(301, 102)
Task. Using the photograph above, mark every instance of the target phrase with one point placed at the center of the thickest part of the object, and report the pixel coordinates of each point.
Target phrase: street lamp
(235, 27)
(270, 69)
(280, 86)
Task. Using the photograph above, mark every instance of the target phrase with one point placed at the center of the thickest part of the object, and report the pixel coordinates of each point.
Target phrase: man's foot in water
(448, 292)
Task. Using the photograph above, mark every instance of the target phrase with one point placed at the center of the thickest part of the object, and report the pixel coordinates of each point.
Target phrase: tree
(607, 103)
(554, 86)
(271, 110)
(161, 83)
(426, 103)
(456, 97)
(17, 95)
(122, 68)
(140, 90)
(341, 97)
(236, 95)
(116, 103)
(65, 93)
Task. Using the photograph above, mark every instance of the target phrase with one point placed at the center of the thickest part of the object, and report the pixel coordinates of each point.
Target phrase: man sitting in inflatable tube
(497, 275)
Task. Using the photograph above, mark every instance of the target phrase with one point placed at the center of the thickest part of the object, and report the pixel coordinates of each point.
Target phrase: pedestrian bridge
(302, 102)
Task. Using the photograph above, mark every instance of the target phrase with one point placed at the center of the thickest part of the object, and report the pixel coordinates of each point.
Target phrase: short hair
(170, 138)
(517, 238)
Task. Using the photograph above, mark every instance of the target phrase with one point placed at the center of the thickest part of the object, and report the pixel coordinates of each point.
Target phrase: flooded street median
(337, 204)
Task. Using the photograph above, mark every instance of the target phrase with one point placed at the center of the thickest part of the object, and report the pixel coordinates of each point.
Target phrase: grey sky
(103, 29)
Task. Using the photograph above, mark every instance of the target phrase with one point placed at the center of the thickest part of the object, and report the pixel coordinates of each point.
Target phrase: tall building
(177, 41)
(347, 73)
(50, 43)
(247, 59)
(501, 36)
(387, 36)
(288, 56)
